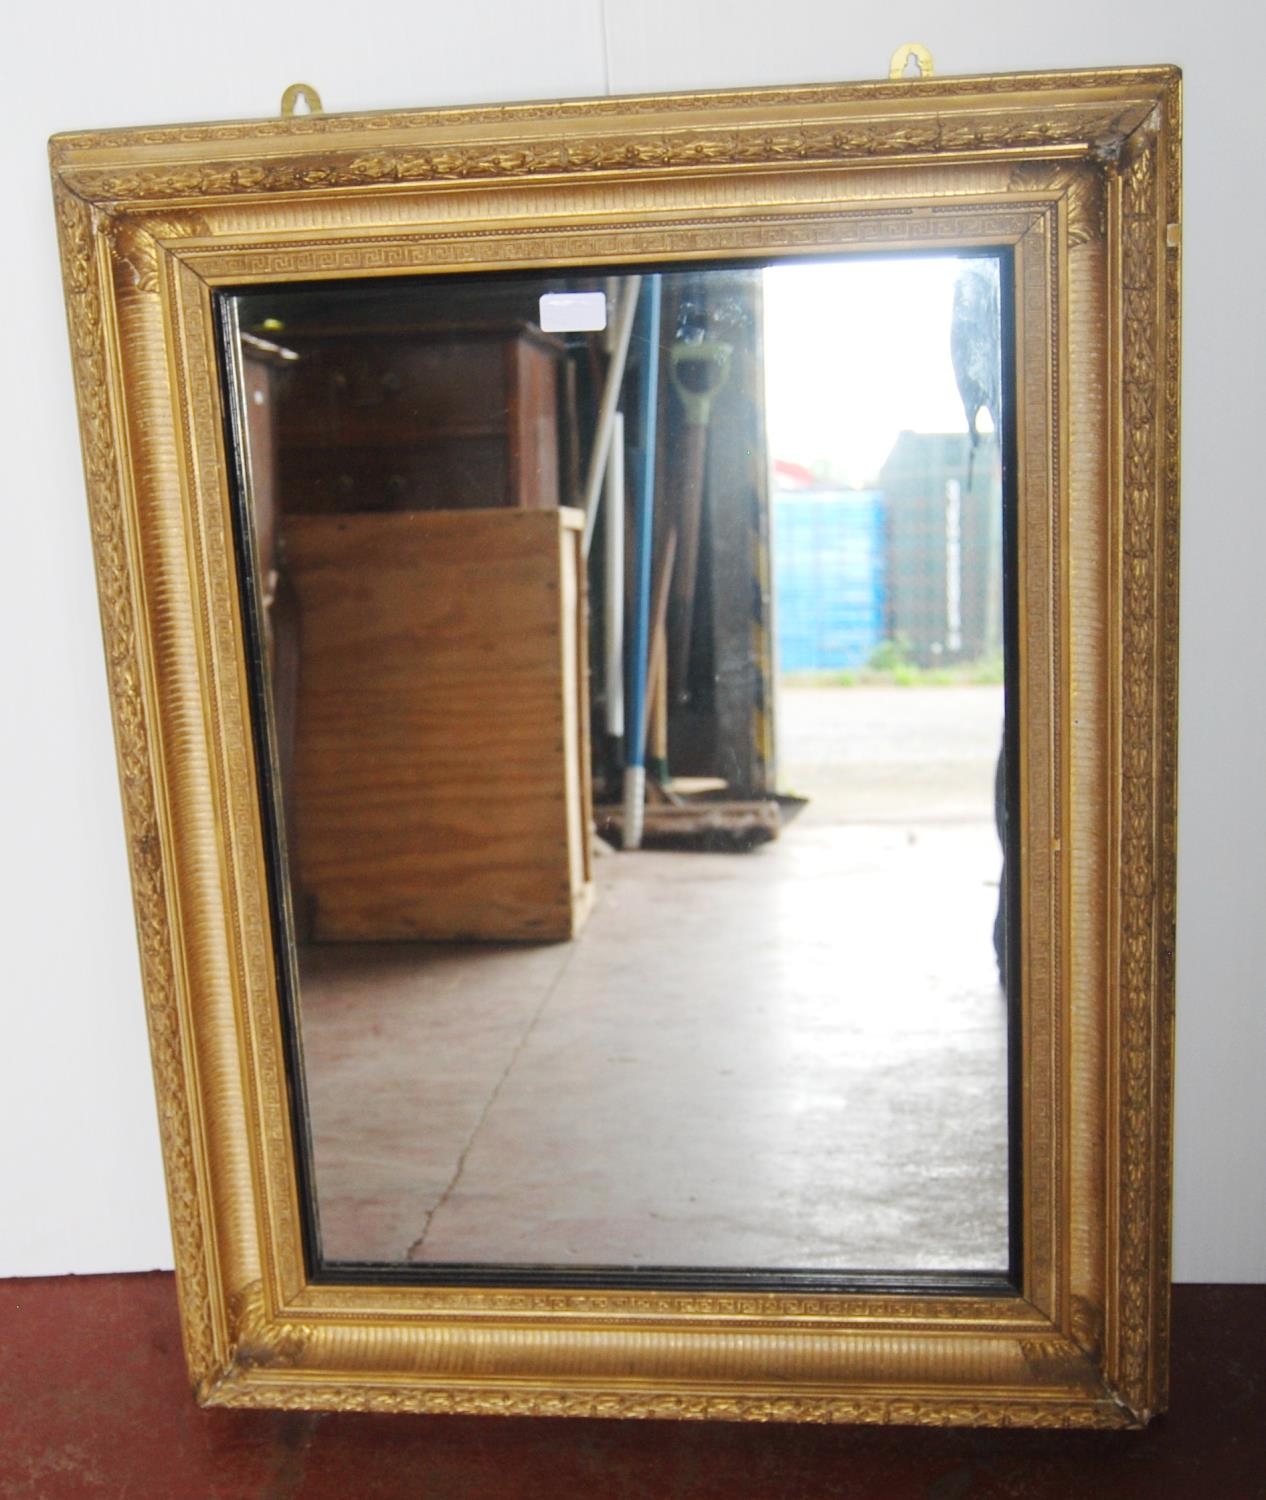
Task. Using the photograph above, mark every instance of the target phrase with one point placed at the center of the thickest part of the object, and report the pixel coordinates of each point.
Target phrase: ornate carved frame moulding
(1078, 173)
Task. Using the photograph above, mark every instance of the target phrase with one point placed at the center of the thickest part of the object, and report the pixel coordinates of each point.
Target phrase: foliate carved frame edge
(1150, 203)
(85, 266)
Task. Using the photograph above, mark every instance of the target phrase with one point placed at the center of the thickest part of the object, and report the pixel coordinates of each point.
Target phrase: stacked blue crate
(829, 578)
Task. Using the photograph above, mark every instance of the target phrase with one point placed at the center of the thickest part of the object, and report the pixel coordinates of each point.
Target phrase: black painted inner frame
(663, 1278)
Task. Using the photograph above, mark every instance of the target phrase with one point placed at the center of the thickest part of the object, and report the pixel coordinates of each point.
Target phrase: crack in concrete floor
(795, 1057)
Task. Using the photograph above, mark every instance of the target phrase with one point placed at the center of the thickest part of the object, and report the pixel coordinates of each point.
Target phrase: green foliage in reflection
(892, 665)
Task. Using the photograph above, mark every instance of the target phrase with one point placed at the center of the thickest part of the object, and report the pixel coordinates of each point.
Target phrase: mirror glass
(631, 662)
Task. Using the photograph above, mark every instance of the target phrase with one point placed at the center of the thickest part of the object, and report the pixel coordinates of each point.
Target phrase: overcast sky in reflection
(856, 352)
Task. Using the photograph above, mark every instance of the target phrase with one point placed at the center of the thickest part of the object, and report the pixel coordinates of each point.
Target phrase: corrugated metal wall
(944, 548)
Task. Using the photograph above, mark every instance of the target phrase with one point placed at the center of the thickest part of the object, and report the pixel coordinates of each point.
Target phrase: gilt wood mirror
(642, 635)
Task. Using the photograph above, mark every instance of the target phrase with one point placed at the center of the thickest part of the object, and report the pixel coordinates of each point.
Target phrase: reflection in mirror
(632, 690)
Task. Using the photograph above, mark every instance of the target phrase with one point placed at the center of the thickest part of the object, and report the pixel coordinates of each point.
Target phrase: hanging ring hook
(298, 91)
(902, 56)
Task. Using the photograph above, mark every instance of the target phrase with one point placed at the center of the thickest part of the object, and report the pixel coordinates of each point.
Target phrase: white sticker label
(573, 312)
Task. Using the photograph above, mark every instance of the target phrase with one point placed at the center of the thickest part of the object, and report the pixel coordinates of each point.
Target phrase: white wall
(81, 1185)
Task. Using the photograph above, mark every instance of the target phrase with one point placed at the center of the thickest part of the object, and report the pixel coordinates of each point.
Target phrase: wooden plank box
(441, 763)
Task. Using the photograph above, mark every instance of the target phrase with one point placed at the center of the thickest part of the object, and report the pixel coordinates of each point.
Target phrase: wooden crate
(441, 762)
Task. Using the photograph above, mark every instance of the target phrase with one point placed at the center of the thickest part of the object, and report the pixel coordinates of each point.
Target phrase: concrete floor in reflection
(789, 1058)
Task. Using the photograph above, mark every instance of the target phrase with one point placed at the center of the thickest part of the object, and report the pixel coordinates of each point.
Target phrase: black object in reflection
(1000, 822)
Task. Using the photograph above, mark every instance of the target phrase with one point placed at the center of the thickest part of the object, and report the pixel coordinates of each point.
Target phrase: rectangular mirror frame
(1079, 174)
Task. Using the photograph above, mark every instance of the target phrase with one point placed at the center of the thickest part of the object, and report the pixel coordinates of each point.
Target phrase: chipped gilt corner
(1079, 174)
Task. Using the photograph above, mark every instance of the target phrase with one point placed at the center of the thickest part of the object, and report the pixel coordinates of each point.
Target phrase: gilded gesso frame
(1079, 174)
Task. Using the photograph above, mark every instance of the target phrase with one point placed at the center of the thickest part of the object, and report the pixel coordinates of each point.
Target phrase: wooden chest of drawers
(442, 418)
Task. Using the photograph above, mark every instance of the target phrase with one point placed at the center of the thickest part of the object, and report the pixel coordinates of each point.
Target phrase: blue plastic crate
(829, 578)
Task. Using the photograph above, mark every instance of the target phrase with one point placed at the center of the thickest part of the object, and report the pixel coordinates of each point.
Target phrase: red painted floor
(93, 1403)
